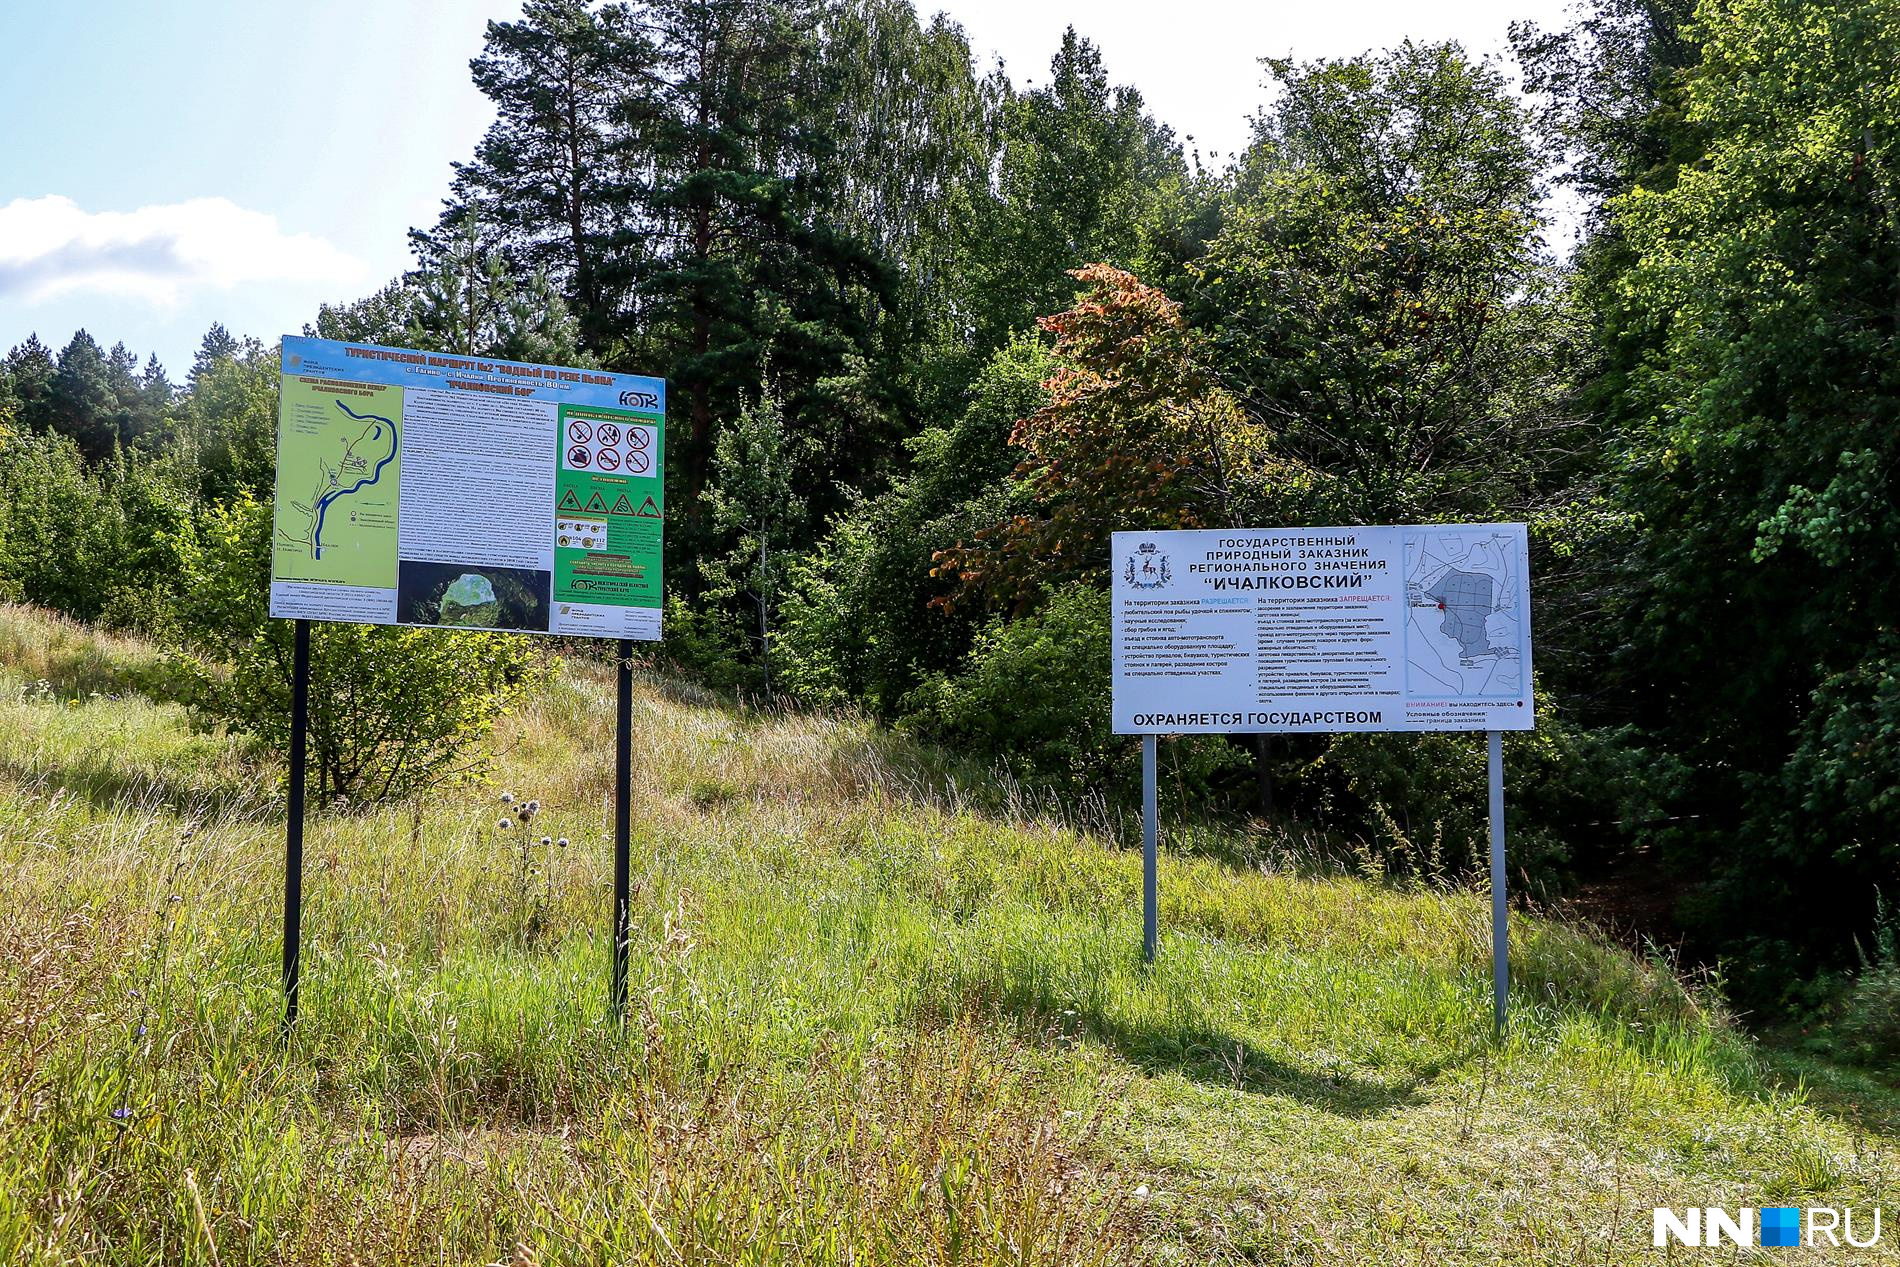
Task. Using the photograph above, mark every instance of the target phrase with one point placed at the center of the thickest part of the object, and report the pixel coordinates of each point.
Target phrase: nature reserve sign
(423, 488)
(1322, 629)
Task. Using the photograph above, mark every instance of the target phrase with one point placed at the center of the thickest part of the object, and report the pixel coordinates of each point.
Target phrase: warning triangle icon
(622, 507)
(569, 501)
(597, 503)
(648, 510)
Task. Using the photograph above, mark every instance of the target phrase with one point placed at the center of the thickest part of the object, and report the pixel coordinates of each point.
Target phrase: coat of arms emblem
(1147, 568)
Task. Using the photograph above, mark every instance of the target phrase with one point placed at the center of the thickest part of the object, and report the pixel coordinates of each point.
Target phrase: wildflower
(503, 824)
(141, 1031)
(174, 898)
(524, 815)
(119, 1115)
(562, 842)
(507, 798)
(534, 807)
(548, 840)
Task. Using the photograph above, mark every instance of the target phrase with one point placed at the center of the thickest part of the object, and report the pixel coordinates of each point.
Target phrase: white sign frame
(1320, 630)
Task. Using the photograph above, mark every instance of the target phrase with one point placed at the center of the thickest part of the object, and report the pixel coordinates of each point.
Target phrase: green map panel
(338, 467)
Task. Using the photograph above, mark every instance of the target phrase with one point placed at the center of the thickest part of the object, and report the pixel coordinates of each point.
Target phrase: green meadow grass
(873, 1019)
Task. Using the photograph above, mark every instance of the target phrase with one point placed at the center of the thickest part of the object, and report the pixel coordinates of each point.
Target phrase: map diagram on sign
(340, 526)
(1464, 624)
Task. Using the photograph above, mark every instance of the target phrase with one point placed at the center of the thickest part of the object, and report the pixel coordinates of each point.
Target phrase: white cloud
(50, 247)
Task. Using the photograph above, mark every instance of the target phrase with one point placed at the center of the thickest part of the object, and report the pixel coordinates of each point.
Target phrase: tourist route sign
(426, 488)
(1276, 630)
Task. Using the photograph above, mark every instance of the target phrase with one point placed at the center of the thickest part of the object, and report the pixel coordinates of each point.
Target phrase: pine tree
(122, 373)
(31, 367)
(219, 344)
(156, 399)
(81, 402)
(556, 183)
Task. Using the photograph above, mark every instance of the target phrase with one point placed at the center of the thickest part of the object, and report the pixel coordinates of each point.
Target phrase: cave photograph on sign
(984, 633)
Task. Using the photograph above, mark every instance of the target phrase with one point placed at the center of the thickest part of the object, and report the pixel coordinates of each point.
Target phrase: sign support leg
(1150, 849)
(293, 824)
(1500, 918)
(623, 816)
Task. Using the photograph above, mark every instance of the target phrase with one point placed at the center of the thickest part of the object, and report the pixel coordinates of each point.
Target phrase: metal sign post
(293, 826)
(1150, 854)
(623, 817)
(1500, 916)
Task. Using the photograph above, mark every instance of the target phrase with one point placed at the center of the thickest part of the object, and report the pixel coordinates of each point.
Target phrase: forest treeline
(932, 334)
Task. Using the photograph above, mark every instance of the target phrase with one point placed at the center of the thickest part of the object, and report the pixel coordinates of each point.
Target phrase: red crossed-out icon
(609, 460)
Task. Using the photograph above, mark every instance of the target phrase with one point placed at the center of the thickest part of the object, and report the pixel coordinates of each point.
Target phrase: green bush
(1033, 696)
(857, 623)
(1869, 1027)
(1033, 691)
(393, 711)
(74, 536)
(1420, 802)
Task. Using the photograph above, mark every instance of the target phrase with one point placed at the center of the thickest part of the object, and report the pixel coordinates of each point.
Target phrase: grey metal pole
(1150, 848)
(1500, 916)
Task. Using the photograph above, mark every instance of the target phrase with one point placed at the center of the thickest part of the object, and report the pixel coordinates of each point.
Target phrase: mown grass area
(870, 1024)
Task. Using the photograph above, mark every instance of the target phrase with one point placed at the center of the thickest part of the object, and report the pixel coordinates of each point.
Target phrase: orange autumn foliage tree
(1135, 434)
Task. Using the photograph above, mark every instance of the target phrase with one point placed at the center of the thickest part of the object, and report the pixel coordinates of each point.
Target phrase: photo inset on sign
(471, 596)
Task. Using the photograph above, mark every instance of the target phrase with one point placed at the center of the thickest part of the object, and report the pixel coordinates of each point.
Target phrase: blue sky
(170, 165)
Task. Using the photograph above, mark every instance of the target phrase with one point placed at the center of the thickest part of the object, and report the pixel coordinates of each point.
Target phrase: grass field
(873, 1021)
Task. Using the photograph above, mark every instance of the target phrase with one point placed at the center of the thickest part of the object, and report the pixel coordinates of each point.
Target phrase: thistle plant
(533, 857)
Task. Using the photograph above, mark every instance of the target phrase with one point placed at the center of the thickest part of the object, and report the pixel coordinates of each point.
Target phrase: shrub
(1035, 690)
(861, 620)
(393, 711)
(1869, 1024)
(1870, 1021)
(1421, 802)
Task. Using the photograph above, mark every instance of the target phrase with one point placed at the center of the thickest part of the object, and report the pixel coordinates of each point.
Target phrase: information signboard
(1322, 629)
(424, 488)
